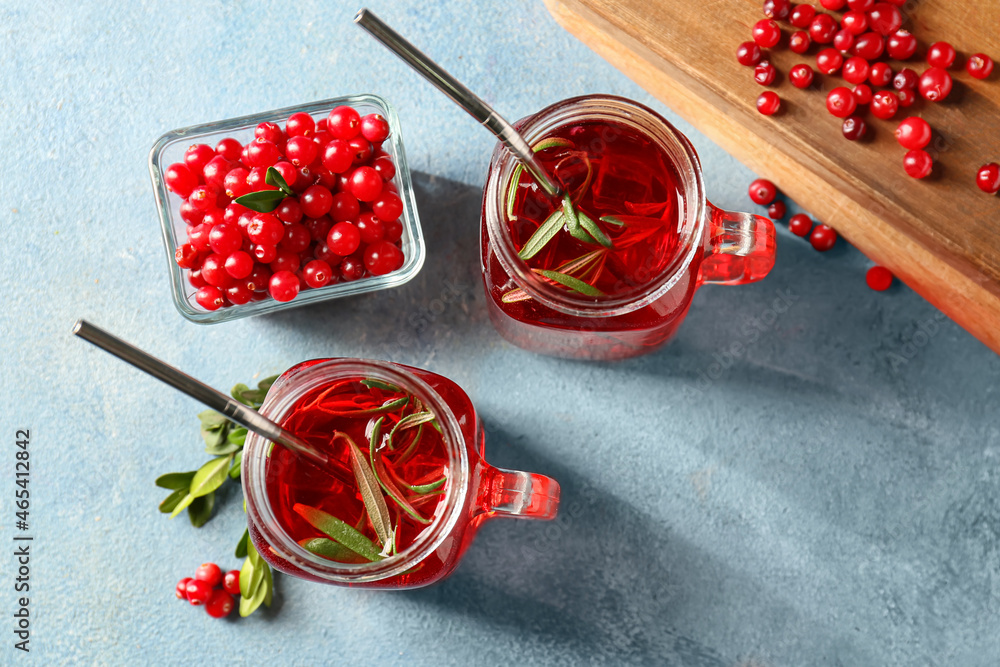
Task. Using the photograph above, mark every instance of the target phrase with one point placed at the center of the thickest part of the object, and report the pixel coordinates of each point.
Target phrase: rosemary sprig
(574, 284)
(338, 531)
(545, 233)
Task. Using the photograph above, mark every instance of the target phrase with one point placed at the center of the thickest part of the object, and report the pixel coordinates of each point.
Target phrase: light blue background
(829, 497)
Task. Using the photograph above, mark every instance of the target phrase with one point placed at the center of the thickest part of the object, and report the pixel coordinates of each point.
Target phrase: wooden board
(941, 235)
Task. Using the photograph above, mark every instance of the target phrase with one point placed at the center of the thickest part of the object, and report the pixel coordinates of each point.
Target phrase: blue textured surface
(828, 497)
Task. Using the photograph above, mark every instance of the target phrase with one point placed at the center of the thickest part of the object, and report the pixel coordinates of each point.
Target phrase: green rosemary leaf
(574, 284)
(515, 295)
(408, 422)
(412, 447)
(427, 488)
(175, 480)
(210, 476)
(273, 177)
(237, 467)
(613, 220)
(372, 383)
(552, 142)
(588, 223)
(171, 501)
(241, 546)
(581, 262)
(264, 201)
(394, 493)
(338, 531)
(515, 179)
(327, 548)
(200, 510)
(572, 221)
(545, 233)
(368, 484)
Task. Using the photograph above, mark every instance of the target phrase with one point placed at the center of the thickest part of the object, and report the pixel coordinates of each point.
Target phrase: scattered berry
(823, 238)
(884, 104)
(181, 589)
(766, 33)
(913, 133)
(764, 73)
(829, 61)
(880, 75)
(879, 278)
(841, 102)
(777, 210)
(980, 66)
(763, 191)
(941, 54)
(869, 46)
(198, 592)
(843, 40)
(901, 45)
(768, 103)
(748, 54)
(905, 79)
(935, 84)
(231, 582)
(777, 9)
(220, 604)
(988, 178)
(801, 76)
(862, 93)
(855, 22)
(802, 15)
(918, 164)
(284, 286)
(799, 42)
(884, 18)
(854, 128)
(856, 70)
(822, 29)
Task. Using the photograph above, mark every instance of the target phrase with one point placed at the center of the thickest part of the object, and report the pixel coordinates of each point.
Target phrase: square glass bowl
(170, 149)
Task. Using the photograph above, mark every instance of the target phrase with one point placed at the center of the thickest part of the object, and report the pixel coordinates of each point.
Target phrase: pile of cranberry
(342, 221)
(209, 587)
(866, 31)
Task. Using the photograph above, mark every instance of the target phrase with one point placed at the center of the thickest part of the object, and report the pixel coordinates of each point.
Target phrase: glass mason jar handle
(524, 495)
(739, 248)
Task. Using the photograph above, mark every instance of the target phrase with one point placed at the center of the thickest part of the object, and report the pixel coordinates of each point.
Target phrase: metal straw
(459, 94)
(199, 391)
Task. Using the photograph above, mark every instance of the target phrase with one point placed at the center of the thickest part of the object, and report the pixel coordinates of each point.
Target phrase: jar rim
(290, 387)
(641, 118)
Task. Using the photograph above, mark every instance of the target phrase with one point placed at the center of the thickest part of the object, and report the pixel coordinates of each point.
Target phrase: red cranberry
(841, 102)
(860, 5)
(384, 166)
(935, 84)
(225, 238)
(777, 210)
(296, 238)
(198, 591)
(906, 78)
(343, 123)
(763, 191)
(823, 238)
(265, 229)
(365, 184)
(382, 257)
(766, 33)
(906, 97)
(854, 128)
(764, 73)
(220, 604)
(869, 46)
(823, 28)
(843, 41)
(179, 179)
(229, 148)
(941, 54)
(284, 286)
(884, 105)
(880, 75)
(855, 22)
(181, 589)
(801, 76)
(239, 264)
(856, 70)
(918, 164)
(885, 19)
(197, 156)
(901, 45)
(343, 239)
(777, 9)
(269, 132)
(988, 178)
(802, 15)
(231, 582)
(862, 93)
(748, 54)
(879, 278)
(833, 5)
(800, 224)
(768, 103)
(979, 66)
(208, 297)
(799, 42)
(316, 201)
(913, 133)
(829, 61)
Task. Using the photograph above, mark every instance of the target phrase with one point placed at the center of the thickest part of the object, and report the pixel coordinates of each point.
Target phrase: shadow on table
(604, 581)
(441, 304)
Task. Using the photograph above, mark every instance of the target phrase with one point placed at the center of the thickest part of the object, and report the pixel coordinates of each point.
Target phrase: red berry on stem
(854, 128)
(901, 45)
(823, 238)
(941, 54)
(800, 41)
(935, 84)
(766, 33)
(764, 73)
(777, 210)
(913, 133)
(884, 105)
(748, 54)
(840, 102)
(988, 178)
(801, 76)
(231, 582)
(763, 191)
(198, 591)
(856, 70)
(918, 164)
(980, 66)
(802, 15)
(800, 224)
(829, 61)
(884, 18)
(768, 103)
(284, 286)
(822, 29)
(879, 278)
(220, 604)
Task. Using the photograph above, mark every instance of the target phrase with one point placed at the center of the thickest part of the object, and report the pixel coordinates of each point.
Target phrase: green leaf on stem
(372, 383)
(545, 233)
(369, 485)
(327, 548)
(512, 185)
(588, 224)
(222, 449)
(408, 422)
(241, 546)
(574, 284)
(237, 436)
(338, 531)
(612, 220)
(200, 510)
(175, 480)
(237, 467)
(214, 437)
(182, 505)
(427, 488)
(264, 201)
(171, 501)
(210, 419)
(210, 476)
(552, 142)
(273, 177)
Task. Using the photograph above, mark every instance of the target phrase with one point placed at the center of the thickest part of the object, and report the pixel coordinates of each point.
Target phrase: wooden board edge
(960, 296)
